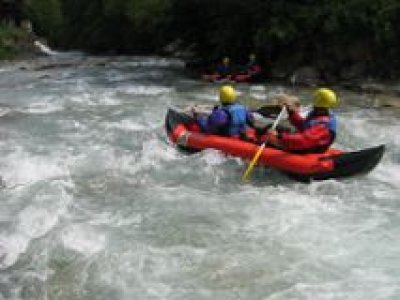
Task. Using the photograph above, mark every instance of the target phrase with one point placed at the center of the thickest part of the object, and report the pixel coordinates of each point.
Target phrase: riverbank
(16, 44)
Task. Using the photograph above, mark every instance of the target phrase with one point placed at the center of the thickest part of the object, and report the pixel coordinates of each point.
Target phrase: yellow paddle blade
(252, 163)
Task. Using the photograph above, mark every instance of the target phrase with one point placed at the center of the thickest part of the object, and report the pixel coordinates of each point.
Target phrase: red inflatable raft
(334, 163)
(256, 76)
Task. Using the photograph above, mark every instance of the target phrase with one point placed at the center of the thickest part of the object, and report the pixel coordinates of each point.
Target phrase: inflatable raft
(256, 77)
(334, 163)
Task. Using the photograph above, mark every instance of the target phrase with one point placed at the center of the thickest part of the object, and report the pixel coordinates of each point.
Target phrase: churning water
(97, 204)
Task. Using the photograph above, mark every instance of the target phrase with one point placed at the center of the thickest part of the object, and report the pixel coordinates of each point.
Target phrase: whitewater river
(97, 204)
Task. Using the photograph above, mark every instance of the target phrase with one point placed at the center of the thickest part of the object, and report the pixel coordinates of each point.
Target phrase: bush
(324, 34)
(11, 40)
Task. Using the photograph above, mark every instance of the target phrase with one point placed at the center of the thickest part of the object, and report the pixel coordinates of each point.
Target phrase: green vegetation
(333, 36)
(47, 17)
(11, 40)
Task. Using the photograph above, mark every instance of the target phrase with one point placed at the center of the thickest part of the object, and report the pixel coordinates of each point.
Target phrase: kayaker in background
(222, 72)
(252, 67)
(224, 69)
(228, 119)
(316, 132)
(251, 71)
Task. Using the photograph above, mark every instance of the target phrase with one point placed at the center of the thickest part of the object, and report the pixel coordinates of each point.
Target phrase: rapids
(97, 203)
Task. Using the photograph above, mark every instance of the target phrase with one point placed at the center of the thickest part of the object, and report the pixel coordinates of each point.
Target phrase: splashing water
(99, 205)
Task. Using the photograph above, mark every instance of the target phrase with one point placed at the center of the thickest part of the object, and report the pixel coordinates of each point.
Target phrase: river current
(96, 203)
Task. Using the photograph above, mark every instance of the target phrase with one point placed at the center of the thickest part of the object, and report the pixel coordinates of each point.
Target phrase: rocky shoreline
(308, 76)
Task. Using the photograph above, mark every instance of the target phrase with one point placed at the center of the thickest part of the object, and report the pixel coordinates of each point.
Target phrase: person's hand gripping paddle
(253, 162)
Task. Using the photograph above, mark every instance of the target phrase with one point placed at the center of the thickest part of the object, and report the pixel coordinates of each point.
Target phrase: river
(97, 203)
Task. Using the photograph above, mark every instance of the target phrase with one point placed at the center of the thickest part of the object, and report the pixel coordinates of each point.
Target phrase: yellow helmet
(325, 98)
(252, 57)
(226, 60)
(227, 94)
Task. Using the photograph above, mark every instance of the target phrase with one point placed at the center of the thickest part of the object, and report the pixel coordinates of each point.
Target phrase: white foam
(209, 97)
(145, 90)
(82, 98)
(5, 111)
(154, 151)
(150, 62)
(23, 168)
(369, 127)
(127, 125)
(257, 88)
(35, 222)
(389, 173)
(43, 108)
(11, 247)
(27, 170)
(109, 99)
(83, 239)
(45, 49)
(213, 157)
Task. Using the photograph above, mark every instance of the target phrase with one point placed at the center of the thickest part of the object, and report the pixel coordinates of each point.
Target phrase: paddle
(269, 110)
(259, 151)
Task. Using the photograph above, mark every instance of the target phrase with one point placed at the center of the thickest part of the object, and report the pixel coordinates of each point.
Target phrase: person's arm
(295, 118)
(315, 137)
(217, 119)
(202, 121)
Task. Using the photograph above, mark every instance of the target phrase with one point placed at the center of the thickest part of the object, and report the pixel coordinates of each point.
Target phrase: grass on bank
(12, 41)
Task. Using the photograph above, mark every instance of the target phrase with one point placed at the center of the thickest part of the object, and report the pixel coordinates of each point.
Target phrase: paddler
(224, 69)
(316, 132)
(252, 67)
(230, 118)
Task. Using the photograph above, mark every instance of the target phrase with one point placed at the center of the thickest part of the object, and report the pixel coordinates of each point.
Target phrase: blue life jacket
(328, 121)
(203, 123)
(237, 119)
(224, 70)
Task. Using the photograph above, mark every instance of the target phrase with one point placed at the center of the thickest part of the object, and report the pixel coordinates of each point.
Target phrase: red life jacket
(316, 134)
